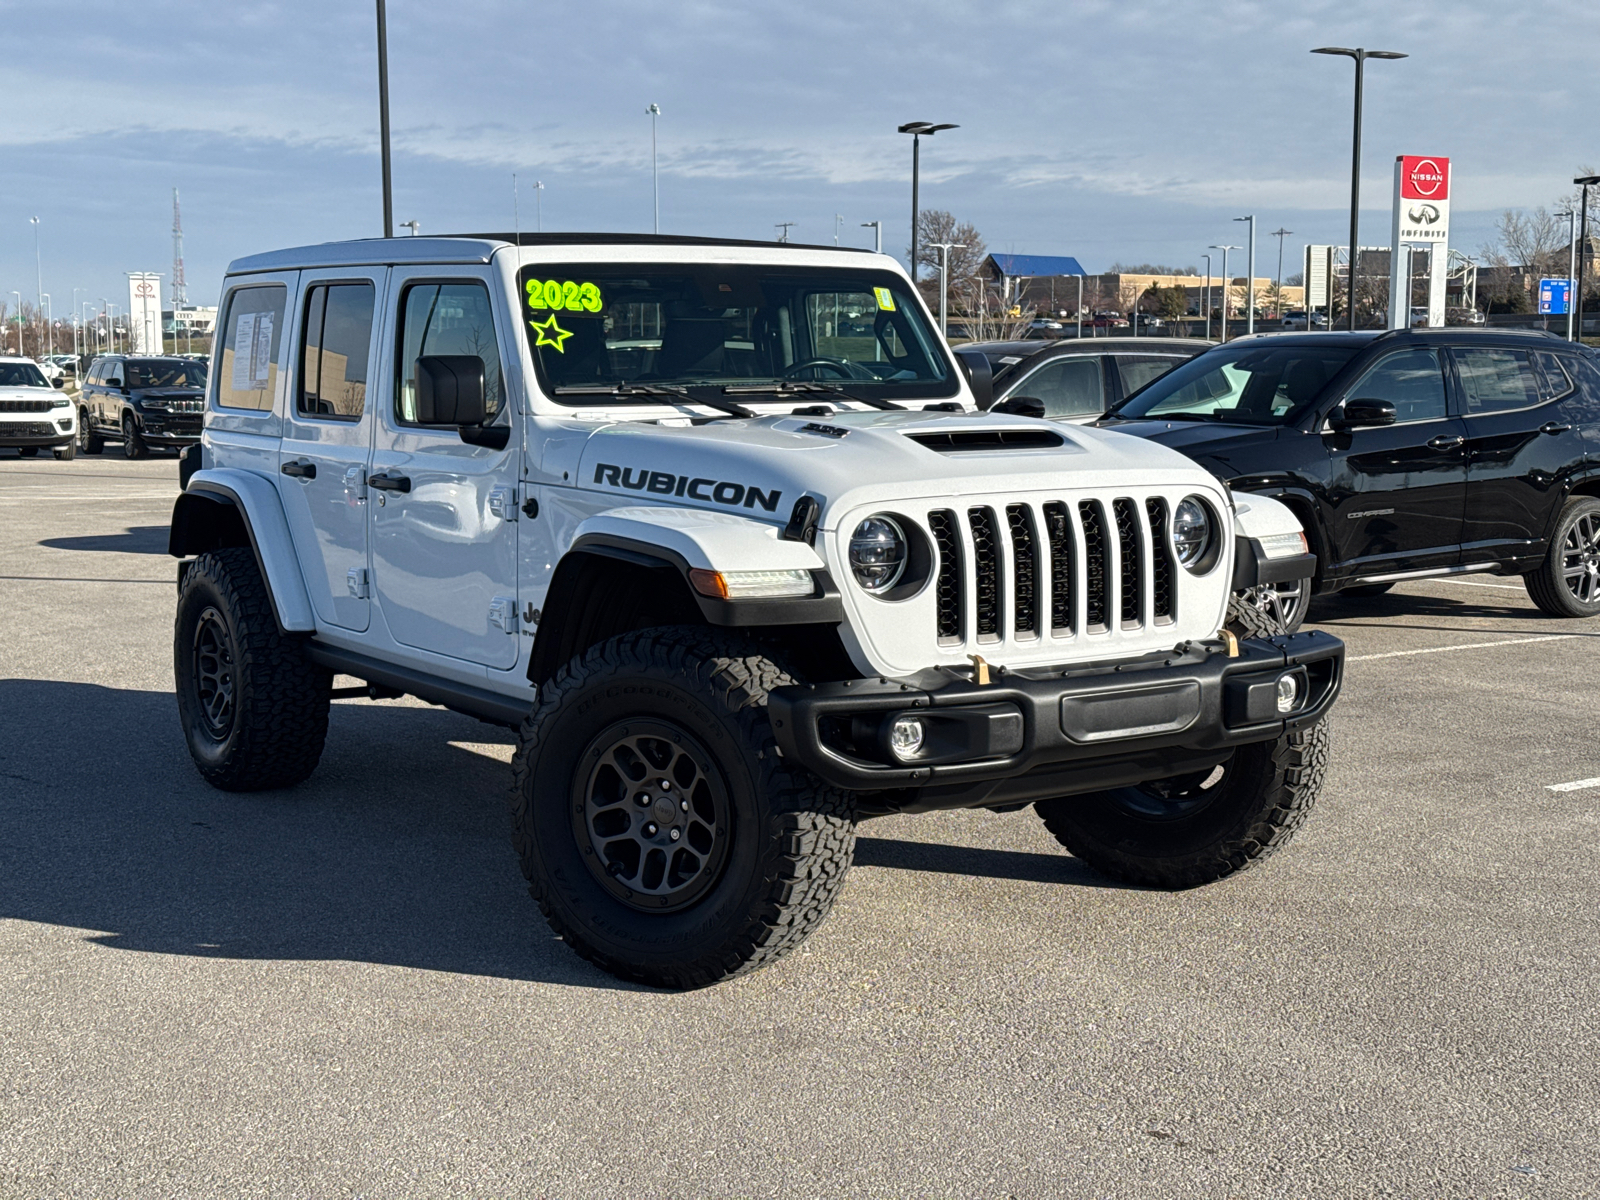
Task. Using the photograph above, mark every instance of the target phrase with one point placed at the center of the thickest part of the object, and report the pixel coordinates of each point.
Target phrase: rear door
(443, 511)
(1070, 386)
(1524, 418)
(327, 438)
(1397, 492)
(1132, 371)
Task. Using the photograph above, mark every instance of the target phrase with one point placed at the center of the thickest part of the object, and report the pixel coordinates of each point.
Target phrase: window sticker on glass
(885, 298)
(563, 294)
(550, 334)
(252, 351)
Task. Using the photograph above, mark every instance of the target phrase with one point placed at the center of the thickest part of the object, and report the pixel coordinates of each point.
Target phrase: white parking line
(1577, 785)
(1547, 637)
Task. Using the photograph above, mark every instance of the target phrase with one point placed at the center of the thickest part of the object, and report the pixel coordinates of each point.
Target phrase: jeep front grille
(28, 429)
(26, 405)
(1013, 569)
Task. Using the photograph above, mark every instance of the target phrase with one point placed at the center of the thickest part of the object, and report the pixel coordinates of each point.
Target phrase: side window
(248, 372)
(1554, 379)
(446, 318)
(1136, 372)
(334, 344)
(1411, 380)
(1069, 387)
(96, 373)
(1496, 380)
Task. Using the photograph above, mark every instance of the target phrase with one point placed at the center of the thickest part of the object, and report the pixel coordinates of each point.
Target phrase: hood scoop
(965, 441)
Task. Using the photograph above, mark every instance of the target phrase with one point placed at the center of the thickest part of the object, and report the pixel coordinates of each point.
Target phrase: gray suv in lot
(142, 401)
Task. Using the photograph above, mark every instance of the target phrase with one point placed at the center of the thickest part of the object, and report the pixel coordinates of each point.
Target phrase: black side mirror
(451, 391)
(114, 383)
(1357, 413)
(980, 377)
(1020, 406)
(60, 381)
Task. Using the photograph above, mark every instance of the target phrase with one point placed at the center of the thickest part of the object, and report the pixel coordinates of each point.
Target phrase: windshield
(21, 374)
(596, 327)
(1248, 383)
(157, 373)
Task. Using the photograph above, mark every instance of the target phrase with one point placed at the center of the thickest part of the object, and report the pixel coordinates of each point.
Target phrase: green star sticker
(551, 334)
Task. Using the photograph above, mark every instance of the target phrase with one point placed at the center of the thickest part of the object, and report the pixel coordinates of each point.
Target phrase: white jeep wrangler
(724, 530)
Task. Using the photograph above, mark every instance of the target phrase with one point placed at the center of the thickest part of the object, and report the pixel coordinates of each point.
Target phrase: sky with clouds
(1109, 131)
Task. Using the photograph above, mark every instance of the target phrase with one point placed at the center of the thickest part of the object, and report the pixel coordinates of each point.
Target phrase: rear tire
(89, 441)
(1184, 832)
(133, 443)
(1567, 582)
(659, 732)
(253, 706)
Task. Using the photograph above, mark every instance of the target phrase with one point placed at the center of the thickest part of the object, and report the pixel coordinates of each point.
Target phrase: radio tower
(180, 293)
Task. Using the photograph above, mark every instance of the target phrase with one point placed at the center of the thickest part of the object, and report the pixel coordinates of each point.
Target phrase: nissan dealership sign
(1422, 200)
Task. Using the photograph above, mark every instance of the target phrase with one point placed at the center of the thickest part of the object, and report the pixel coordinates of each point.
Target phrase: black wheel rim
(214, 673)
(83, 433)
(1176, 798)
(1279, 603)
(651, 816)
(1580, 559)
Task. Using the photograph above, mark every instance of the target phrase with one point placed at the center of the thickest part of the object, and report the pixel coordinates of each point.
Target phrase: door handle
(300, 469)
(1446, 441)
(1552, 427)
(389, 483)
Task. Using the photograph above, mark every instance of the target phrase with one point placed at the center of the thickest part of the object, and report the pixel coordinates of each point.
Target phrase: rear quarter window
(247, 375)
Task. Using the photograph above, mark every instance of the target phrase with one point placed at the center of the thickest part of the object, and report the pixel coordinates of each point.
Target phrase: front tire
(1193, 830)
(253, 706)
(1269, 609)
(662, 834)
(65, 453)
(1567, 582)
(133, 443)
(89, 441)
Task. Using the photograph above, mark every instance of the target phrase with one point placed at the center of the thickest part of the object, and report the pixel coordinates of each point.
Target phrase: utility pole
(38, 266)
(1277, 309)
(383, 118)
(654, 111)
(783, 228)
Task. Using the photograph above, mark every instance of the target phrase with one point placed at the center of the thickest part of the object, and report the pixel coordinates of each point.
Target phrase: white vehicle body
(33, 414)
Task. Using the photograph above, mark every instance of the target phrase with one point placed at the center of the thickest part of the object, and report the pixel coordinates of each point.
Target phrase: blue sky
(1102, 130)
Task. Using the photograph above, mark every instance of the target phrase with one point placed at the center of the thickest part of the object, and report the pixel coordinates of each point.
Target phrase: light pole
(414, 225)
(538, 207)
(1277, 310)
(18, 295)
(1080, 307)
(1572, 256)
(944, 281)
(1227, 287)
(1250, 280)
(38, 265)
(1360, 55)
(383, 118)
(1583, 181)
(77, 314)
(105, 320)
(654, 111)
(46, 307)
(837, 222)
(916, 129)
(877, 234)
(1205, 297)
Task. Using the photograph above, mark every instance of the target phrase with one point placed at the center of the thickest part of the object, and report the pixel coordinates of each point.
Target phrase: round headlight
(878, 553)
(1192, 532)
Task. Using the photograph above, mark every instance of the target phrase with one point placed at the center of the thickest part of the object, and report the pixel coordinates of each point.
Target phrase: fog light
(905, 737)
(1288, 693)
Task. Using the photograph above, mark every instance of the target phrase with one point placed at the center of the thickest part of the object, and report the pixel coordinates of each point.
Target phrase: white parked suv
(720, 528)
(34, 413)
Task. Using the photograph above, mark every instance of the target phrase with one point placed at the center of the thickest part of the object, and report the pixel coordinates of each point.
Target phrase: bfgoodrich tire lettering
(788, 837)
(1185, 832)
(253, 706)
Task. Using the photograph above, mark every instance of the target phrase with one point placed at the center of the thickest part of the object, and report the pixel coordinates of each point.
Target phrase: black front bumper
(1050, 732)
(34, 433)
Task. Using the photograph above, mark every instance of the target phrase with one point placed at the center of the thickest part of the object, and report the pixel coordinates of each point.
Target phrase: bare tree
(935, 226)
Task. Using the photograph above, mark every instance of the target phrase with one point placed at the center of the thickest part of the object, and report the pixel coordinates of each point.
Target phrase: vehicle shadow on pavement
(972, 860)
(1329, 610)
(397, 851)
(142, 539)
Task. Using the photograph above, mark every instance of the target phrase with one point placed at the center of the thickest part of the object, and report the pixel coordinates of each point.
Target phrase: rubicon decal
(665, 483)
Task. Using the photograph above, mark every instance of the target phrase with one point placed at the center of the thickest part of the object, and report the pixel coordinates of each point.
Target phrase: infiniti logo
(1423, 214)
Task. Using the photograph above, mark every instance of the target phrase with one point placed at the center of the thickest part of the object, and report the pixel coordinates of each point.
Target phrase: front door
(443, 511)
(1525, 419)
(327, 440)
(1397, 492)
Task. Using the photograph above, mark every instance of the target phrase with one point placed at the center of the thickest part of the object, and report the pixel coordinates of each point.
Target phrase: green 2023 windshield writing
(554, 293)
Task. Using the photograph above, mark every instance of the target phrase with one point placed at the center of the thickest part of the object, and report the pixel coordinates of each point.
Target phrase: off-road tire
(89, 441)
(133, 443)
(279, 698)
(1365, 591)
(65, 453)
(789, 843)
(1547, 584)
(1265, 794)
(1247, 619)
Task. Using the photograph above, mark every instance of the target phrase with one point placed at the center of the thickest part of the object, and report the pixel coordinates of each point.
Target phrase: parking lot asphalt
(344, 989)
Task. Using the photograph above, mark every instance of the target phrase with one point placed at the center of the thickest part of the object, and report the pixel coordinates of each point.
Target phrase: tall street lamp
(1227, 287)
(917, 129)
(838, 221)
(1205, 297)
(877, 234)
(1572, 254)
(944, 281)
(653, 112)
(76, 315)
(1280, 233)
(18, 295)
(1583, 181)
(1250, 282)
(38, 265)
(46, 307)
(538, 207)
(1360, 55)
(383, 117)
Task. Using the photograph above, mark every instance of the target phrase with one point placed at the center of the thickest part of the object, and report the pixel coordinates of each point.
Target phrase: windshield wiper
(787, 387)
(676, 391)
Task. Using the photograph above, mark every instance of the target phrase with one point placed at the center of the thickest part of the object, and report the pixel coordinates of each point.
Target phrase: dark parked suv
(1405, 454)
(141, 402)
